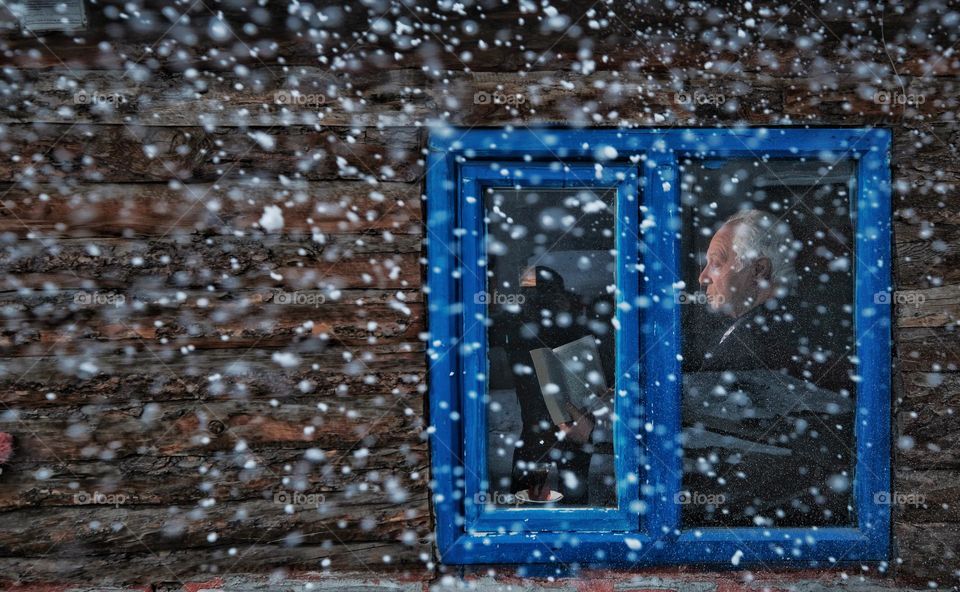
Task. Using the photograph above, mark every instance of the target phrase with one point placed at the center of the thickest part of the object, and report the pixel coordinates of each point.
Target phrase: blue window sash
(474, 179)
(466, 533)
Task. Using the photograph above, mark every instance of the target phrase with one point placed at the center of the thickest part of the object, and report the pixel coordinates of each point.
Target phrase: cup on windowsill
(538, 486)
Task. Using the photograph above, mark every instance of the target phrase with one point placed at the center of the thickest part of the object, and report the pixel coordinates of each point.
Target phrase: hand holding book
(580, 428)
(573, 386)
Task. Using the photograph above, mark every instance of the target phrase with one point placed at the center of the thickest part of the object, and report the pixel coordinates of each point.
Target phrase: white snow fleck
(272, 218)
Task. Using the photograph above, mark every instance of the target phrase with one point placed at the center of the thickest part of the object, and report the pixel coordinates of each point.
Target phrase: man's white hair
(759, 234)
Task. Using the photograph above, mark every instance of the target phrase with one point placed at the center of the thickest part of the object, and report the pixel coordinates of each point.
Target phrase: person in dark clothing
(749, 276)
(550, 316)
(787, 370)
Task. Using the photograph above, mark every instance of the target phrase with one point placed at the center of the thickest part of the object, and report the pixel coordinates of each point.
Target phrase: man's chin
(722, 309)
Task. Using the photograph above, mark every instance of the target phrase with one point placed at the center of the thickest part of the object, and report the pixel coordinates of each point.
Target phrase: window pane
(768, 342)
(551, 350)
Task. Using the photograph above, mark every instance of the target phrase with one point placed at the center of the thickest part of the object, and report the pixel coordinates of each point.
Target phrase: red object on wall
(6, 447)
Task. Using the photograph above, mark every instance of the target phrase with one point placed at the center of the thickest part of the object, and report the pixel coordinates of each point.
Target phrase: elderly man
(774, 353)
(749, 276)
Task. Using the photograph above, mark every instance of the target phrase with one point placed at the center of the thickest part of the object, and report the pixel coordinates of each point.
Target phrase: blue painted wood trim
(479, 517)
(868, 541)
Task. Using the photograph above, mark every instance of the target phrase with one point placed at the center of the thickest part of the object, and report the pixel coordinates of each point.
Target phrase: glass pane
(768, 342)
(550, 303)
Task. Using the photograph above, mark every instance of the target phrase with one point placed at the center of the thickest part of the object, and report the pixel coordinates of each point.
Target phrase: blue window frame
(641, 166)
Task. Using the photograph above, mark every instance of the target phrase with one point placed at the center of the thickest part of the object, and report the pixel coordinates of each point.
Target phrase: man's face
(730, 290)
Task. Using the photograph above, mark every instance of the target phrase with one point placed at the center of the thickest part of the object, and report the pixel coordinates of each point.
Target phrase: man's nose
(704, 278)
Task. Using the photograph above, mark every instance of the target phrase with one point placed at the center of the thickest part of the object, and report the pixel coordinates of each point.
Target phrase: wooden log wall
(146, 352)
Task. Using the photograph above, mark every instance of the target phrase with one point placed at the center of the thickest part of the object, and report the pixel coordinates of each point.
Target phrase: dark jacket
(781, 336)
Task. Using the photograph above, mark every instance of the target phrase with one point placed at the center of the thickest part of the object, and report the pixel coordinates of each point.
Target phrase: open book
(571, 373)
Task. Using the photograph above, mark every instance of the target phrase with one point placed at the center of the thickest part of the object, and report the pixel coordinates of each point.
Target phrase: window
(652, 347)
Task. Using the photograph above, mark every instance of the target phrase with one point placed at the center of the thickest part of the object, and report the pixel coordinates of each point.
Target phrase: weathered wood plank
(927, 152)
(654, 35)
(926, 237)
(366, 261)
(169, 429)
(404, 98)
(128, 154)
(137, 563)
(924, 496)
(143, 377)
(155, 209)
(828, 98)
(383, 272)
(356, 476)
(916, 222)
(927, 264)
(85, 528)
(389, 98)
(927, 553)
(218, 325)
(934, 307)
(928, 349)
(927, 427)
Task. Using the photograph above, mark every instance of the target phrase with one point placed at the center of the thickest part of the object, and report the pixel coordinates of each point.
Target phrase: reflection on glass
(550, 303)
(768, 343)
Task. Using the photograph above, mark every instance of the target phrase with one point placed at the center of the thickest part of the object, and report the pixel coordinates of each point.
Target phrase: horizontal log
(86, 529)
(38, 305)
(143, 377)
(82, 322)
(386, 272)
(927, 151)
(916, 191)
(927, 553)
(394, 98)
(169, 429)
(31, 256)
(927, 264)
(219, 325)
(926, 496)
(139, 564)
(926, 236)
(136, 210)
(404, 98)
(324, 98)
(900, 98)
(672, 36)
(376, 271)
(127, 154)
(354, 261)
(927, 424)
(348, 477)
(934, 307)
(927, 349)
(924, 222)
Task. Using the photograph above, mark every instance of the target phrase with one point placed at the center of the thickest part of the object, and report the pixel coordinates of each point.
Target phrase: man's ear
(763, 268)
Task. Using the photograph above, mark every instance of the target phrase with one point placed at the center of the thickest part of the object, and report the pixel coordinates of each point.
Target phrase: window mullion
(660, 345)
